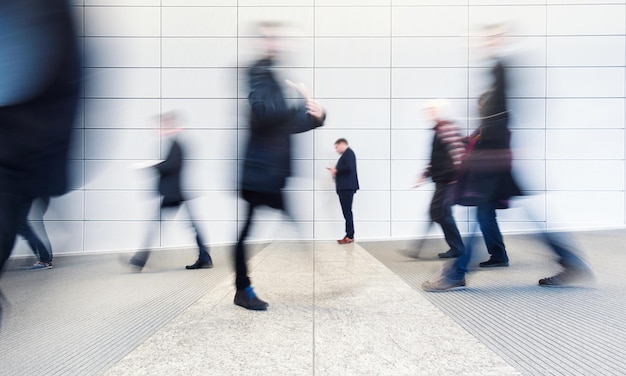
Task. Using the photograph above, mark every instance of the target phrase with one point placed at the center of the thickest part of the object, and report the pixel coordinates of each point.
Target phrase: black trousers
(345, 199)
(441, 213)
(140, 258)
(253, 200)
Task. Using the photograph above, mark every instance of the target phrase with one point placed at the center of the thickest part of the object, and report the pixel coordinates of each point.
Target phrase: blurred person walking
(346, 184)
(486, 181)
(267, 160)
(39, 96)
(169, 188)
(445, 158)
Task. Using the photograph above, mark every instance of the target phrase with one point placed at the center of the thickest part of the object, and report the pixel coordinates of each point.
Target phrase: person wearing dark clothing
(39, 95)
(169, 187)
(346, 184)
(267, 161)
(446, 153)
(40, 246)
(485, 181)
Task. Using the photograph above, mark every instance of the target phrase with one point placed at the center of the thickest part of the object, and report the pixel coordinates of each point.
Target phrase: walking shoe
(200, 265)
(567, 278)
(491, 263)
(449, 254)
(443, 283)
(345, 240)
(246, 298)
(136, 265)
(40, 266)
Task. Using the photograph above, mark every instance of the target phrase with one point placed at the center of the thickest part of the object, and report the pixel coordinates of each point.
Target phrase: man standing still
(346, 183)
(267, 162)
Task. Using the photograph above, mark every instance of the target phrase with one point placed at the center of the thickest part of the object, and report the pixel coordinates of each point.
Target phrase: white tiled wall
(372, 64)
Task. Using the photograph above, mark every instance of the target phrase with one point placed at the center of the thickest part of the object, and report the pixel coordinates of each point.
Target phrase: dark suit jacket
(267, 162)
(169, 179)
(346, 178)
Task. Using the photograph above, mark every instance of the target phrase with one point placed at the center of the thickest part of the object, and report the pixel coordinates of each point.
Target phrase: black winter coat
(37, 122)
(485, 174)
(267, 162)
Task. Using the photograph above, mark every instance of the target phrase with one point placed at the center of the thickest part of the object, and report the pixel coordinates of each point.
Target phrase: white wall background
(372, 63)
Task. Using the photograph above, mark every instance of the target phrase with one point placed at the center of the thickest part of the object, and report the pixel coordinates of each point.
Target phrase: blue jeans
(486, 216)
(25, 230)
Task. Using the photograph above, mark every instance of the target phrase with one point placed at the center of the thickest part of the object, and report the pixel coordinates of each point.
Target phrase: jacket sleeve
(303, 122)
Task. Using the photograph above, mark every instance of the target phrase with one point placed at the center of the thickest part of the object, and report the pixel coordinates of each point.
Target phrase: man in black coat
(446, 154)
(169, 186)
(267, 161)
(39, 96)
(346, 184)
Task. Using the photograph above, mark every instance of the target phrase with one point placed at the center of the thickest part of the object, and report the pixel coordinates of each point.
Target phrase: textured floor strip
(334, 310)
(540, 331)
(86, 313)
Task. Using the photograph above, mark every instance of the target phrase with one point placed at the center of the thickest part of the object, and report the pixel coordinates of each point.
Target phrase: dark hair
(341, 141)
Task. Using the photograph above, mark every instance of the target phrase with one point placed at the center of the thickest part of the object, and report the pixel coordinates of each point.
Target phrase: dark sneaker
(200, 265)
(247, 299)
(443, 283)
(136, 265)
(449, 254)
(40, 266)
(567, 278)
(491, 263)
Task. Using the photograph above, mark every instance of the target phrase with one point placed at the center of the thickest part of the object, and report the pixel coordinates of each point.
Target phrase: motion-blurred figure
(485, 181)
(169, 172)
(39, 95)
(37, 240)
(346, 184)
(267, 162)
(445, 159)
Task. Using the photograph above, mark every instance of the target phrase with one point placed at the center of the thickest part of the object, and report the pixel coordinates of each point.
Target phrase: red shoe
(345, 240)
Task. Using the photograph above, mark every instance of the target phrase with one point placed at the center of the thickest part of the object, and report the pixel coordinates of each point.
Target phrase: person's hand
(419, 182)
(145, 164)
(299, 87)
(333, 171)
(315, 109)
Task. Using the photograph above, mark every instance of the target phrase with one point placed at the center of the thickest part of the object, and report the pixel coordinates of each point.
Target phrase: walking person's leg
(204, 258)
(245, 295)
(575, 268)
(486, 215)
(140, 258)
(452, 276)
(39, 249)
(441, 213)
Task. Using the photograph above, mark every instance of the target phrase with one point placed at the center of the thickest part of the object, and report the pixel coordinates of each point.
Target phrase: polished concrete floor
(334, 310)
